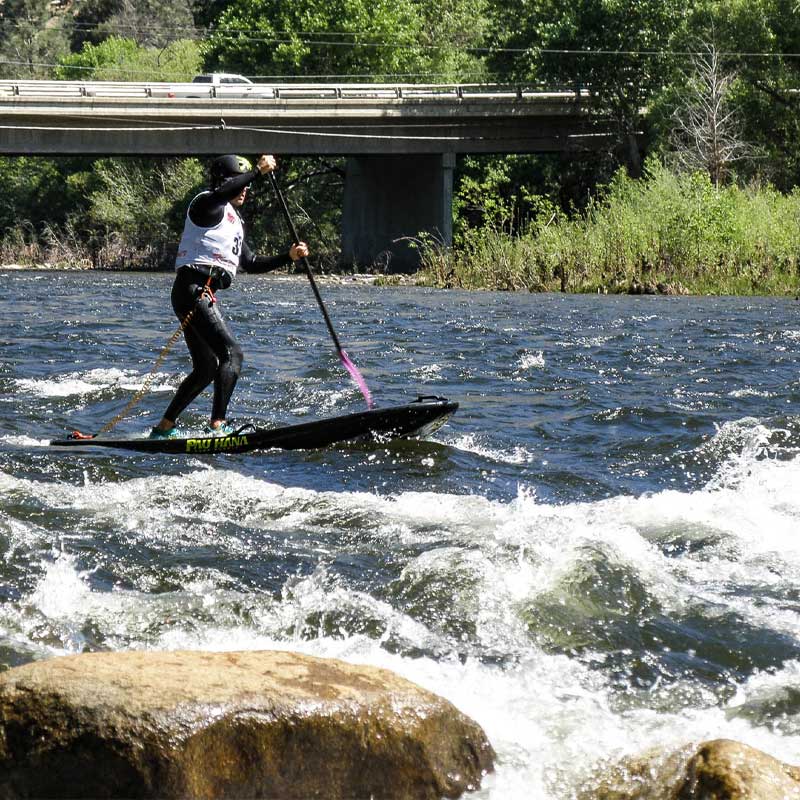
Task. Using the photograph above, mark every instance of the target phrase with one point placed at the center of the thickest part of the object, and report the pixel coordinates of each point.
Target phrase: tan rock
(240, 724)
(721, 769)
(653, 775)
(726, 770)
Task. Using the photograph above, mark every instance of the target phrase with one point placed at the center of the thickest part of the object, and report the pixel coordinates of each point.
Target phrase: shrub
(663, 229)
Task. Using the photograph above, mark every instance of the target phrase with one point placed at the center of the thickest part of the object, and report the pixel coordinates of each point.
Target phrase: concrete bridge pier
(387, 198)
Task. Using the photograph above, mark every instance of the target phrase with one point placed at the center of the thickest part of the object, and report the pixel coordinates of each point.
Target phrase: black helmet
(226, 167)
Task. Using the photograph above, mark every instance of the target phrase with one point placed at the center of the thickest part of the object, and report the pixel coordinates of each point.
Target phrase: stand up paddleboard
(421, 417)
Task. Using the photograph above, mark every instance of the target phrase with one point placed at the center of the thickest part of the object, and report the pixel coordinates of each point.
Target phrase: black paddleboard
(419, 418)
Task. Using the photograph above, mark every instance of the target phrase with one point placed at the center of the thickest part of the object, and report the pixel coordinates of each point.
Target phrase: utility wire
(428, 77)
(273, 131)
(180, 77)
(291, 37)
(283, 132)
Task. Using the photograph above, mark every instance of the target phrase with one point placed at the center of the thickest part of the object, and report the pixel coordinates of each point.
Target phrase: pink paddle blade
(356, 376)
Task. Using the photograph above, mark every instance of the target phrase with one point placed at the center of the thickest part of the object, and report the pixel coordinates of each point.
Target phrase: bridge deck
(112, 118)
(34, 88)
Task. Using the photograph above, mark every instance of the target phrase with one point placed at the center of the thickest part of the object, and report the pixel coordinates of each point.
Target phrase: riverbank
(665, 233)
(634, 286)
(436, 279)
(359, 278)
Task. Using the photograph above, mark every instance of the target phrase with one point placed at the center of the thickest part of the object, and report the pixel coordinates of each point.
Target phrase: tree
(616, 50)
(31, 38)
(151, 23)
(90, 17)
(39, 191)
(758, 40)
(357, 39)
(452, 32)
(143, 203)
(207, 12)
(119, 59)
(707, 132)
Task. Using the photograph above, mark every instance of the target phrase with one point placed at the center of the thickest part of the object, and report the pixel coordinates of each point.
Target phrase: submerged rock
(239, 724)
(721, 769)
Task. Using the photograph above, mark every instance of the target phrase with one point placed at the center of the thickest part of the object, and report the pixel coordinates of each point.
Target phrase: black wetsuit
(216, 355)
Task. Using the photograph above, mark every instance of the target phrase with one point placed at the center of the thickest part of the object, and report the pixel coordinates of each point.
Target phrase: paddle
(343, 357)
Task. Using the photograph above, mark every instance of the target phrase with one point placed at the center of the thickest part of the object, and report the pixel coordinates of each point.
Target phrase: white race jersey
(220, 246)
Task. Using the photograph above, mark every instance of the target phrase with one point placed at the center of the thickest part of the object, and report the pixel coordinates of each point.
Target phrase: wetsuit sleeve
(253, 263)
(207, 209)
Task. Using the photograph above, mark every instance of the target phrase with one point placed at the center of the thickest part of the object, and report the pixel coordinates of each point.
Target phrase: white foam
(750, 391)
(91, 382)
(529, 361)
(426, 373)
(62, 594)
(470, 443)
(20, 440)
(550, 717)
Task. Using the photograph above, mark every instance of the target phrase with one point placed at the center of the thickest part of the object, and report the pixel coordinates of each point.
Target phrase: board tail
(81, 435)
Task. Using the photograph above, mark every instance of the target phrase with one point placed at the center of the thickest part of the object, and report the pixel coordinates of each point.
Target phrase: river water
(597, 555)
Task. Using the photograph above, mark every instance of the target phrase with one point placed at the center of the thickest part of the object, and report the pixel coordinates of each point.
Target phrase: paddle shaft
(304, 260)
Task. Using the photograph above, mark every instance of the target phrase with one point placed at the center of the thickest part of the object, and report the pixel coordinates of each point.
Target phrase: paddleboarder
(211, 250)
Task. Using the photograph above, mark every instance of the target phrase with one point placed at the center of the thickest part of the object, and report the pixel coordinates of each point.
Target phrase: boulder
(237, 724)
(729, 770)
(716, 770)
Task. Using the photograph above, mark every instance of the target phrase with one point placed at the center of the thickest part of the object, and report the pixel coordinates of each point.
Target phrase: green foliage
(450, 29)
(42, 210)
(618, 52)
(366, 39)
(487, 259)
(611, 47)
(756, 40)
(119, 59)
(314, 191)
(766, 90)
(89, 16)
(664, 230)
(141, 206)
(151, 23)
(30, 38)
(38, 191)
(499, 192)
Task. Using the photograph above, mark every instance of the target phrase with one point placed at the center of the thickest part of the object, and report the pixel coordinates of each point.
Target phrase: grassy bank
(665, 232)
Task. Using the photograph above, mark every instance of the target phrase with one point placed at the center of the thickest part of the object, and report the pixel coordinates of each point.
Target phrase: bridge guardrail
(258, 91)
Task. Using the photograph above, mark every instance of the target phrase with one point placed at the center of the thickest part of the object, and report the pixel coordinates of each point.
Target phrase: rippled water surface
(597, 555)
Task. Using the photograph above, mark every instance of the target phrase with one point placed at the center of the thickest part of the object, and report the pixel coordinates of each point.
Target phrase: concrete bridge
(400, 140)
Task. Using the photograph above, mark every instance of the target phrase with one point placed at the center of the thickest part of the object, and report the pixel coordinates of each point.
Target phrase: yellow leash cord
(158, 362)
